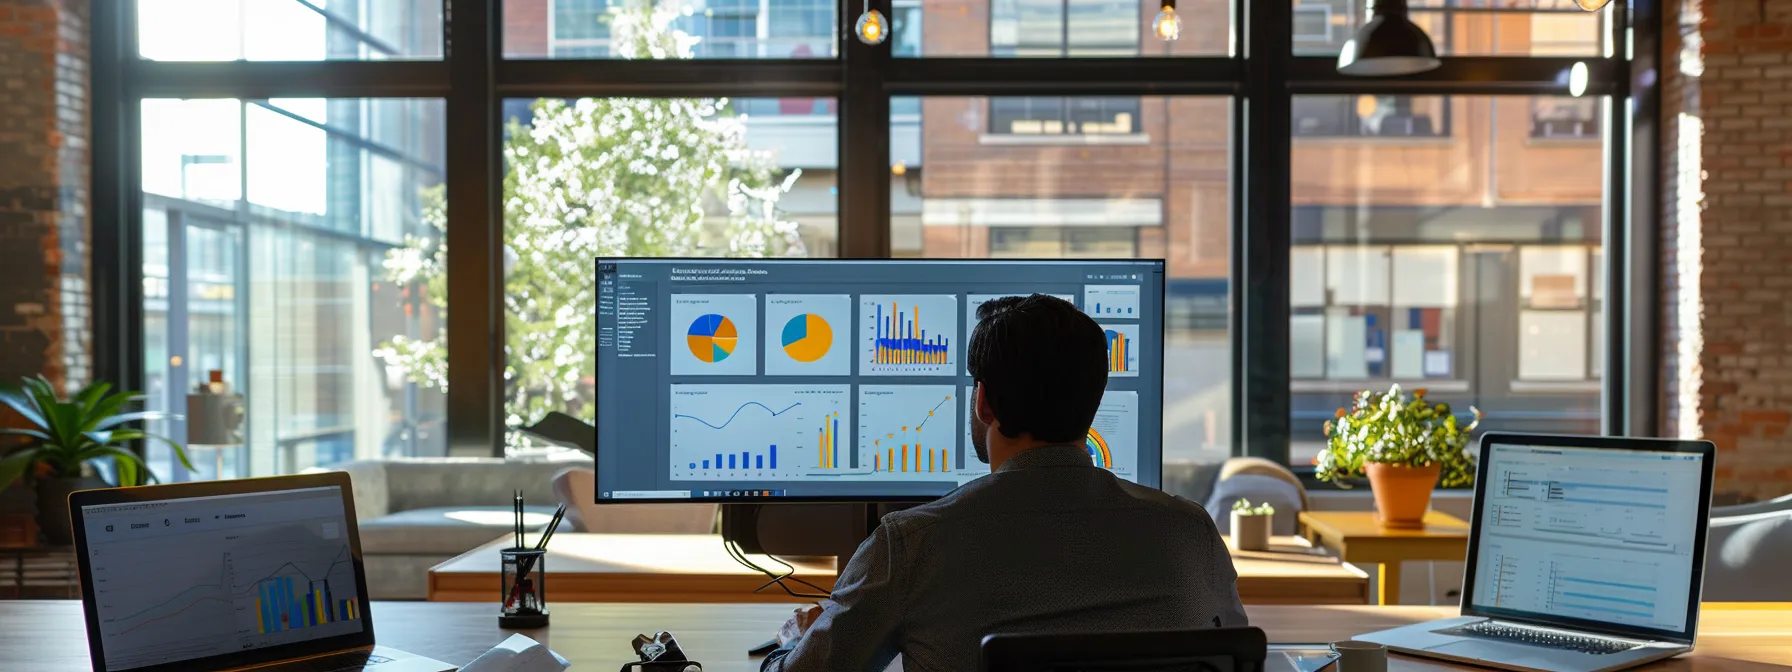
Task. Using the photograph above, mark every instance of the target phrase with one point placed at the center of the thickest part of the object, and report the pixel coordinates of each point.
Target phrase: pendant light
(872, 29)
(1389, 44)
(1592, 5)
(1167, 26)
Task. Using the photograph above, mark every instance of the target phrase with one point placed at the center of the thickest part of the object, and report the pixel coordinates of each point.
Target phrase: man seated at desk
(1047, 543)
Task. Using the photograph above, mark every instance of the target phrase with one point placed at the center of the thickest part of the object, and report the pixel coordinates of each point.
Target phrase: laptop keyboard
(1543, 638)
(340, 662)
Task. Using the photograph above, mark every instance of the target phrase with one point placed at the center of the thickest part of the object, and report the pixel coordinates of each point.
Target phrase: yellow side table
(1357, 538)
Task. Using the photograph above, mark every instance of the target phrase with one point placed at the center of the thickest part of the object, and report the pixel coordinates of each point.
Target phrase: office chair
(1205, 650)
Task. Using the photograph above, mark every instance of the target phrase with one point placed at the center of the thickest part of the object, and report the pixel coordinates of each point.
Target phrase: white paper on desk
(518, 654)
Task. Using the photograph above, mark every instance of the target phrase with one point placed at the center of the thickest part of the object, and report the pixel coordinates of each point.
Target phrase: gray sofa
(416, 513)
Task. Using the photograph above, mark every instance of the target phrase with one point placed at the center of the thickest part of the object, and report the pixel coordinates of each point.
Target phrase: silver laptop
(1585, 554)
(261, 574)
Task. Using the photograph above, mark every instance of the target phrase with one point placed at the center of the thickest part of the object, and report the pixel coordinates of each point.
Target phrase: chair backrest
(577, 488)
(1745, 558)
(1206, 650)
(1258, 489)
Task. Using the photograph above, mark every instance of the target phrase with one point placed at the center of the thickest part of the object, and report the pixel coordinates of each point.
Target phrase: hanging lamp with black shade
(1389, 44)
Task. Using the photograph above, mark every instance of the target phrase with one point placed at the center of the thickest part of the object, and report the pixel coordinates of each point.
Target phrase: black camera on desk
(660, 653)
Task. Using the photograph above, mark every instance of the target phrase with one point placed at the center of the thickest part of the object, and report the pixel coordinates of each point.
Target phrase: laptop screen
(1595, 534)
(189, 578)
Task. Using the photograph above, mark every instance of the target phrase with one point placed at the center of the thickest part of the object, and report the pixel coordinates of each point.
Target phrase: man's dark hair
(1043, 366)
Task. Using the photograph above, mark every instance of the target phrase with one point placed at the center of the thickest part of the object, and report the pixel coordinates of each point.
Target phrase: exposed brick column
(1727, 246)
(44, 190)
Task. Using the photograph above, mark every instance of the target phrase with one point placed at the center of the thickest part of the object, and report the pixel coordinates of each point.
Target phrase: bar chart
(1123, 350)
(908, 335)
(1111, 301)
(908, 431)
(756, 432)
(283, 603)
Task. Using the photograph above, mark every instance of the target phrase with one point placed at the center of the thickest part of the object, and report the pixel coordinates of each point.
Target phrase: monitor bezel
(1707, 469)
(157, 493)
(1155, 267)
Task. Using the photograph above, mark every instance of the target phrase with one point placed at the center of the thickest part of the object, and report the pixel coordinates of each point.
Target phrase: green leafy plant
(1243, 507)
(69, 433)
(1392, 428)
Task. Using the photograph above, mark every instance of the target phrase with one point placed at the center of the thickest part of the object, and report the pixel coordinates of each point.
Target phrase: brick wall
(43, 190)
(1728, 252)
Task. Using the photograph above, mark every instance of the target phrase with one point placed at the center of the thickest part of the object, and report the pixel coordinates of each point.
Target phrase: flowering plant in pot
(67, 436)
(1405, 444)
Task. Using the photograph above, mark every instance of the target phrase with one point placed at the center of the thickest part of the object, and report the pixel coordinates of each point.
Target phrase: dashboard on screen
(839, 380)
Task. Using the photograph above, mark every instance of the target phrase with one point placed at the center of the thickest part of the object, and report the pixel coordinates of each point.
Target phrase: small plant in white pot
(1251, 525)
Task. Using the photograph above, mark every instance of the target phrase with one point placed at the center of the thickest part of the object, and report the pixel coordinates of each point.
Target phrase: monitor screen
(838, 380)
(1589, 533)
(181, 579)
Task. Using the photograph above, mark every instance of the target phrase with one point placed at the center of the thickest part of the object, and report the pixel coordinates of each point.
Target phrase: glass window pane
(1463, 263)
(672, 29)
(970, 188)
(1060, 28)
(644, 177)
(1464, 27)
(289, 30)
(316, 292)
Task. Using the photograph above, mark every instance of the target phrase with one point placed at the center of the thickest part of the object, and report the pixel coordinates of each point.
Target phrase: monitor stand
(802, 530)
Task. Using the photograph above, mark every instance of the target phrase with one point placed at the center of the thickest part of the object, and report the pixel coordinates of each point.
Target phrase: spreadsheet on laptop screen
(1595, 534)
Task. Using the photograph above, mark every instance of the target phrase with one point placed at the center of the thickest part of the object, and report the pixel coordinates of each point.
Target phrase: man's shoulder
(992, 493)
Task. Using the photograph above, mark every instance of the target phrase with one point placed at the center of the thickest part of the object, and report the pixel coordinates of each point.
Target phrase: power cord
(740, 556)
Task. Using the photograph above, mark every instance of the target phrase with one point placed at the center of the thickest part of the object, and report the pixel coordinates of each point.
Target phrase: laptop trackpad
(1512, 654)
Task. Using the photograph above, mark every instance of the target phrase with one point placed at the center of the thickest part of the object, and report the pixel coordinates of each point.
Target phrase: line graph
(736, 414)
(752, 432)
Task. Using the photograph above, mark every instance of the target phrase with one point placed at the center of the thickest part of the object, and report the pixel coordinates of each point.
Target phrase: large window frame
(1261, 76)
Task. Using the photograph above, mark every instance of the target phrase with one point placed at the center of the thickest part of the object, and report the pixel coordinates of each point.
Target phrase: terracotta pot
(1402, 493)
(52, 506)
(1250, 531)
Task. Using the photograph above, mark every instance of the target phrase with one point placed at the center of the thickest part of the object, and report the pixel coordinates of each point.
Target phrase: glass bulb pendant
(1167, 26)
(872, 28)
(1592, 5)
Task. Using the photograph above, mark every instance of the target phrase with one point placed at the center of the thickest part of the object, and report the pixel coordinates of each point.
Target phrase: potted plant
(1404, 444)
(1251, 525)
(67, 436)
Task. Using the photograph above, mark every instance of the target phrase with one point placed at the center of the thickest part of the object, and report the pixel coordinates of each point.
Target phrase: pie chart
(807, 337)
(712, 338)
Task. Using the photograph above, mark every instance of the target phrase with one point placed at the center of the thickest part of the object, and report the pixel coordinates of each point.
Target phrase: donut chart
(807, 338)
(712, 338)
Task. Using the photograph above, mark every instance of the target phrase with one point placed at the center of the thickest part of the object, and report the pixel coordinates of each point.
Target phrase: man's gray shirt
(1047, 544)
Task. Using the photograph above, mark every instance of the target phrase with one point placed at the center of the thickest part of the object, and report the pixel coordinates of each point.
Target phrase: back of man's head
(1042, 364)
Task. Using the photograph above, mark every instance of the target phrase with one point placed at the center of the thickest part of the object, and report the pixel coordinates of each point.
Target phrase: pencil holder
(523, 602)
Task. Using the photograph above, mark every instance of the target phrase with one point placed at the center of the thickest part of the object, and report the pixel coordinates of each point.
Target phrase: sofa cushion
(444, 530)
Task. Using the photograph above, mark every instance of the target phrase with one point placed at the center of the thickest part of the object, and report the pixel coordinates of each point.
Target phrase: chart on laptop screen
(191, 578)
(1588, 534)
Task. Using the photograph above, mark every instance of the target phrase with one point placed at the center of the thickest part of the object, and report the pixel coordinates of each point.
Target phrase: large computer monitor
(743, 381)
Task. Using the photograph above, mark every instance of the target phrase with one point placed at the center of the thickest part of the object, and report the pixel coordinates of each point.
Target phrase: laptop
(252, 574)
(1584, 554)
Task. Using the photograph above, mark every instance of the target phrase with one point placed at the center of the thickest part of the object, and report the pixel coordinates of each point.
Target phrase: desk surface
(49, 636)
(1360, 525)
(693, 568)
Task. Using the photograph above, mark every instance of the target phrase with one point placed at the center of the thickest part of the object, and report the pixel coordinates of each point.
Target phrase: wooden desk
(693, 568)
(50, 636)
(1356, 537)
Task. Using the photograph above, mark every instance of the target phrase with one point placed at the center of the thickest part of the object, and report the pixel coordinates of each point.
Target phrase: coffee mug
(1358, 656)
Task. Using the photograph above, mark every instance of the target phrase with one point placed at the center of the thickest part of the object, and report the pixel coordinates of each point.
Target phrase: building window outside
(267, 226)
(1382, 116)
(1070, 242)
(720, 28)
(1064, 28)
